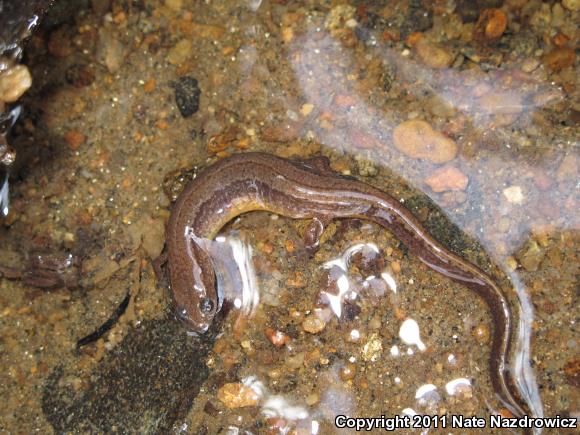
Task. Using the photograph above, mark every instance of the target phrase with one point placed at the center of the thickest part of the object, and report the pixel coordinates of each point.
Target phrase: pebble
(275, 373)
(312, 357)
(366, 168)
(348, 372)
(174, 5)
(277, 338)
(396, 267)
(541, 19)
(447, 178)
(490, 25)
(289, 245)
(511, 263)
(413, 39)
(187, 95)
(558, 16)
(531, 255)
(80, 75)
(434, 55)
(571, 5)
(312, 399)
(149, 86)
(453, 197)
(295, 361)
(306, 109)
(281, 132)
(210, 409)
(417, 139)
(111, 51)
(530, 64)
(361, 139)
(148, 232)
(568, 169)
(514, 194)
(345, 100)
(175, 181)
(180, 52)
(373, 348)
(481, 334)
(287, 34)
(560, 58)
(237, 395)
(339, 16)
(560, 40)
(14, 82)
(440, 107)
(201, 30)
(313, 324)
(375, 323)
(74, 139)
(296, 281)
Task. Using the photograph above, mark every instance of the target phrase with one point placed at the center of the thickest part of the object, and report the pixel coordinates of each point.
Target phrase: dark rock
(80, 75)
(175, 181)
(368, 261)
(187, 95)
(145, 385)
(573, 118)
(469, 10)
(350, 311)
(419, 19)
(210, 409)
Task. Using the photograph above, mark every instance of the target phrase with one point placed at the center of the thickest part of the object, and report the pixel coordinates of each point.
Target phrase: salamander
(309, 189)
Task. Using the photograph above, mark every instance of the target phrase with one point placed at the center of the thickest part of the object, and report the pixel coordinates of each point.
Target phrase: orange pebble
(266, 248)
(277, 338)
(290, 246)
(344, 100)
(490, 25)
(149, 85)
(413, 39)
(505, 413)
(162, 124)
(560, 40)
(74, 139)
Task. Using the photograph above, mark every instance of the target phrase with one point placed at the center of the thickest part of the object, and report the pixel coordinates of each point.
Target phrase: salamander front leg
(158, 266)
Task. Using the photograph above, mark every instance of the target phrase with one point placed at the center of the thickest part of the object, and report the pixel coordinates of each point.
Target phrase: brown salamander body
(311, 190)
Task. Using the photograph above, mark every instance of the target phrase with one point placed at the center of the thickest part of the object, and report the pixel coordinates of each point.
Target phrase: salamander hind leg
(319, 164)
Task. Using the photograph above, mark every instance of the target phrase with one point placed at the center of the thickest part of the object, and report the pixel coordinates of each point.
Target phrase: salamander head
(196, 316)
(193, 289)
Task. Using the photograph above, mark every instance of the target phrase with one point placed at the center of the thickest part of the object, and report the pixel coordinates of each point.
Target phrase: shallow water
(472, 126)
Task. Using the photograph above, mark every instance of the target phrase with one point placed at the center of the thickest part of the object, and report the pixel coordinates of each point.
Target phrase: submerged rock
(237, 395)
(417, 139)
(447, 178)
(531, 256)
(144, 385)
(187, 95)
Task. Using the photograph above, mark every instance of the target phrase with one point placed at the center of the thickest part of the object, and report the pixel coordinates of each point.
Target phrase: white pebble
(514, 194)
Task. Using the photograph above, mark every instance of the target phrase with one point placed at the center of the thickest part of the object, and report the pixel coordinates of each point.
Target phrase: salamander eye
(206, 305)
